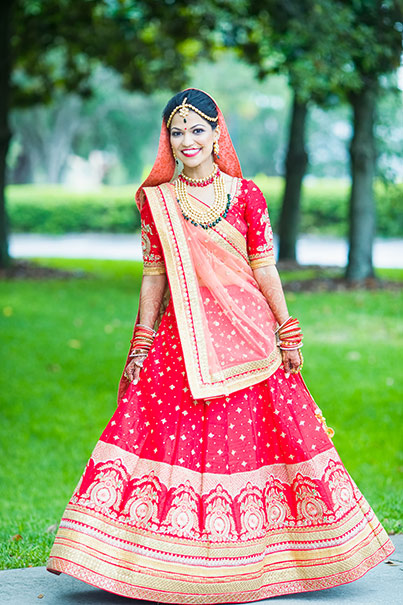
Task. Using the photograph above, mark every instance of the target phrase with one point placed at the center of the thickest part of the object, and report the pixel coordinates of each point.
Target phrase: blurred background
(312, 94)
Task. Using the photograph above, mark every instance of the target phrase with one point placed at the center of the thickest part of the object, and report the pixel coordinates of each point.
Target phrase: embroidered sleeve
(260, 234)
(153, 258)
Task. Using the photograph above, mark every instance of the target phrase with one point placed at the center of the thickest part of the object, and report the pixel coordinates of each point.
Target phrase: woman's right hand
(132, 370)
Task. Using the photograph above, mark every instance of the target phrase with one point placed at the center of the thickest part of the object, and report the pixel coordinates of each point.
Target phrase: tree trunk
(22, 171)
(296, 163)
(362, 206)
(5, 61)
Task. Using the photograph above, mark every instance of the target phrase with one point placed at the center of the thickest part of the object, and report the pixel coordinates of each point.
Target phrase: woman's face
(192, 141)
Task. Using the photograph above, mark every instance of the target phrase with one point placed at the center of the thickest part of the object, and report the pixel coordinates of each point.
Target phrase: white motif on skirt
(145, 502)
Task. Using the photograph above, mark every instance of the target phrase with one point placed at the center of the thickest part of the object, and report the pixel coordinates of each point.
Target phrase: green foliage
(326, 47)
(306, 39)
(150, 44)
(324, 206)
(375, 37)
(55, 209)
(77, 333)
(389, 209)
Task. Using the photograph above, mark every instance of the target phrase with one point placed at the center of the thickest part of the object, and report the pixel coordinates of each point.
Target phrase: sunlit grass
(63, 346)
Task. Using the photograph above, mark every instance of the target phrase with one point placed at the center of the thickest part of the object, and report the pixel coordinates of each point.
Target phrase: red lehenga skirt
(230, 501)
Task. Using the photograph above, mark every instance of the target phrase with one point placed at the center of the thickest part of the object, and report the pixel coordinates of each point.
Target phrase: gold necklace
(200, 182)
(214, 214)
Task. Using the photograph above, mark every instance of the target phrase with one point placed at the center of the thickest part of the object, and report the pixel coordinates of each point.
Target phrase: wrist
(143, 338)
(138, 353)
(289, 334)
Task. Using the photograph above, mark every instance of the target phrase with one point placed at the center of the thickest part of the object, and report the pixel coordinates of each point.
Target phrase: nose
(187, 139)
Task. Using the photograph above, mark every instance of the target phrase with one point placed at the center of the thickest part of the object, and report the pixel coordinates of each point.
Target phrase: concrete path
(311, 250)
(382, 585)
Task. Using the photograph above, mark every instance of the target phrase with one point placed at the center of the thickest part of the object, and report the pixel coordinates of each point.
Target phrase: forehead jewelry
(184, 109)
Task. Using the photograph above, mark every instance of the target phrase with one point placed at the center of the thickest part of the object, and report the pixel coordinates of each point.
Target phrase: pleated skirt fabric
(228, 500)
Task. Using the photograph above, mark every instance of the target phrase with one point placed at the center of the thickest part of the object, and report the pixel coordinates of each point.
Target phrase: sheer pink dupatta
(238, 324)
(225, 325)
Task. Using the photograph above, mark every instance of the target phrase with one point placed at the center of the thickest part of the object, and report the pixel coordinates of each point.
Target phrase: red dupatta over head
(225, 324)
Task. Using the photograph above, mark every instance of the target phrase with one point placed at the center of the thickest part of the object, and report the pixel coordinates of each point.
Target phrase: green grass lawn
(63, 346)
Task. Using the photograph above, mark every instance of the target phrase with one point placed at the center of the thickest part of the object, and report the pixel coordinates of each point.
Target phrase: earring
(176, 159)
(216, 149)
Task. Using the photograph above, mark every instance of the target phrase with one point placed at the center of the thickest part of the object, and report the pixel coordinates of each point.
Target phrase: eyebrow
(194, 126)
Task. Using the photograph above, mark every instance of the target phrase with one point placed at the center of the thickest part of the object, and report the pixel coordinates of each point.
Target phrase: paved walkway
(382, 585)
(311, 250)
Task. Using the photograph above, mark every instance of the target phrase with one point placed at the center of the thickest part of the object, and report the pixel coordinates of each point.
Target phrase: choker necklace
(213, 215)
(207, 180)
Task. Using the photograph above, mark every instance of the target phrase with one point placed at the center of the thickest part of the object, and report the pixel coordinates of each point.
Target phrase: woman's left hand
(291, 361)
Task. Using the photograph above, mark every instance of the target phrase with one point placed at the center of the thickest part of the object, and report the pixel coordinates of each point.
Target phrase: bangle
(147, 328)
(284, 322)
(143, 338)
(290, 326)
(289, 335)
(286, 348)
(140, 344)
(290, 332)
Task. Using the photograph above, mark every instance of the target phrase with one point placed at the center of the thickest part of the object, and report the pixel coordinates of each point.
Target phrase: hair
(195, 97)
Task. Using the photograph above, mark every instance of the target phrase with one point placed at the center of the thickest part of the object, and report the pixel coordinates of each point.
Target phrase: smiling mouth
(189, 153)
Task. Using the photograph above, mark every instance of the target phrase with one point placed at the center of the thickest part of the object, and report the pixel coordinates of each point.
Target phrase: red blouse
(153, 256)
(248, 213)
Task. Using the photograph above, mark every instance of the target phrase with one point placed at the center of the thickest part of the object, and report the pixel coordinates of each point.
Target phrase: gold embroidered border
(228, 231)
(358, 525)
(154, 269)
(262, 262)
(183, 287)
(253, 366)
(190, 586)
(110, 549)
(114, 553)
(239, 593)
(225, 234)
(222, 241)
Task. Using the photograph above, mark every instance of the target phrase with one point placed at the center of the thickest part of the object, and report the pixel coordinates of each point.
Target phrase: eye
(198, 130)
(175, 133)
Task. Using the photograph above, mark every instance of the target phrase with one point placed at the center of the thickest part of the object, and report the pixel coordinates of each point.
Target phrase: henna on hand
(269, 283)
(291, 360)
(133, 370)
(151, 295)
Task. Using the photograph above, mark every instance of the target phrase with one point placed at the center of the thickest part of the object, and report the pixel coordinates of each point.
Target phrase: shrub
(324, 206)
(56, 209)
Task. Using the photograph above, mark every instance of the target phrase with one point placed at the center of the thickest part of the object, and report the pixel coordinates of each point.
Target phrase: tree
(327, 48)
(47, 132)
(375, 42)
(53, 45)
(304, 39)
(5, 18)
